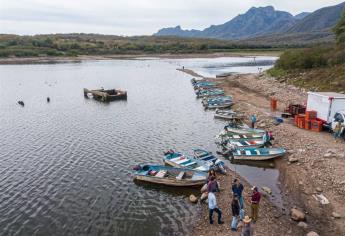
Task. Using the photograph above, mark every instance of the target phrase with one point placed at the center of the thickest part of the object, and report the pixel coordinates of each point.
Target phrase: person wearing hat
(212, 206)
(255, 200)
(247, 228)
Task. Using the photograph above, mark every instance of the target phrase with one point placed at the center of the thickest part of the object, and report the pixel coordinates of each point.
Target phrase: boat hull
(256, 158)
(173, 164)
(259, 154)
(170, 182)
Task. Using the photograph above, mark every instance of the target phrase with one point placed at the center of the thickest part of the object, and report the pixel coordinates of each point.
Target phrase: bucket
(274, 103)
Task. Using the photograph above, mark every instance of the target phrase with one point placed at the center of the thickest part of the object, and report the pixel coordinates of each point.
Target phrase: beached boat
(217, 102)
(218, 105)
(204, 155)
(246, 136)
(257, 154)
(228, 115)
(210, 93)
(180, 160)
(243, 143)
(241, 129)
(170, 176)
(106, 95)
(217, 99)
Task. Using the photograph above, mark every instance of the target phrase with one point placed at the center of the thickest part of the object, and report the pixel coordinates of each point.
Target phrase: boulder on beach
(204, 196)
(312, 233)
(297, 215)
(193, 199)
(204, 188)
(336, 215)
(267, 190)
(302, 225)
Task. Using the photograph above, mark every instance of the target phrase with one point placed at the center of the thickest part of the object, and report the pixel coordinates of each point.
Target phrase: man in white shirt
(212, 206)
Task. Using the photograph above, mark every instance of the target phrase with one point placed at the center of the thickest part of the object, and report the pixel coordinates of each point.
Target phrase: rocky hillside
(266, 22)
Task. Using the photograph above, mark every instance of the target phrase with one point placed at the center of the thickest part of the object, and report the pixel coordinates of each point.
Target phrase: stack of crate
(308, 121)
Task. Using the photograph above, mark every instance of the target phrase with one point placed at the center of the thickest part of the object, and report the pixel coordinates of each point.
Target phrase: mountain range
(266, 22)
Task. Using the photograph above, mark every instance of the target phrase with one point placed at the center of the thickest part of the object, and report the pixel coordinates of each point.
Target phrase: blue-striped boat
(170, 176)
(204, 155)
(181, 160)
(257, 154)
(243, 143)
(209, 93)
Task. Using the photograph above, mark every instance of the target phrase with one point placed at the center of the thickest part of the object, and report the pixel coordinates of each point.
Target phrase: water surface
(65, 165)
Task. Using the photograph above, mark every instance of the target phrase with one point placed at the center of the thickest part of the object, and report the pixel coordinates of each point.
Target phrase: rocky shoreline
(314, 166)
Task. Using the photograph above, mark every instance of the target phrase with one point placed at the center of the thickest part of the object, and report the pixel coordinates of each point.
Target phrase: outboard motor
(220, 165)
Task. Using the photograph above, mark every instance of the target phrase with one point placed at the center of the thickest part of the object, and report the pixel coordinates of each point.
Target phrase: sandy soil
(318, 163)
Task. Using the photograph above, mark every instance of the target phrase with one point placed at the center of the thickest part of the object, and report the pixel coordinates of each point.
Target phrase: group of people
(237, 204)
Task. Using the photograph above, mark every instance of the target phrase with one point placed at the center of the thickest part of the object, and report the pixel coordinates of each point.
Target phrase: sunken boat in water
(106, 95)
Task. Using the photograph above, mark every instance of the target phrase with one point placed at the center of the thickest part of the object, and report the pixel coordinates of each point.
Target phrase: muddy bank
(316, 165)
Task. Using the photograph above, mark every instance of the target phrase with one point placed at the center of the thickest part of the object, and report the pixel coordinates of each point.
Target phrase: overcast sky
(131, 17)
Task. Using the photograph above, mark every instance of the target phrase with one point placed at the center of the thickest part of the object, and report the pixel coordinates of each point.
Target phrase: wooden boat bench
(180, 175)
(161, 174)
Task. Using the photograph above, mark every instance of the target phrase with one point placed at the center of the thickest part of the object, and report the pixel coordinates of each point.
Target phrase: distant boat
(204, 155)
(180, 160)
(257, 154)
(170, 176)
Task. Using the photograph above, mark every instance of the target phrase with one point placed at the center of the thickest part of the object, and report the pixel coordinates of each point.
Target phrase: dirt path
(318, 163)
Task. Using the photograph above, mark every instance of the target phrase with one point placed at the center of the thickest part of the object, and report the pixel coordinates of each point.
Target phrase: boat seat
(237, 136)
(258, 152)
(180, 175)
(244, 136)
(177, 158)
(180, 162)
(191, 163)
(161, 174)
(248, 152)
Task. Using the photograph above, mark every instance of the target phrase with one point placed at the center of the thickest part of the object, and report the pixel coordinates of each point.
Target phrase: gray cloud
(130, 17)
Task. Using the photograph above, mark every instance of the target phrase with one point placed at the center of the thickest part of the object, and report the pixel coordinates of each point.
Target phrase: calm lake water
(65, 165)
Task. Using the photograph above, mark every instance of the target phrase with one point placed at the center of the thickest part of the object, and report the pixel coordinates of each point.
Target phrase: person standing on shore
(237, 189)
(247, 228)
(337, 130)
(212, 206)
(235, 208)
(212, 185)
(267, 140)
(255, 200)
(253, 119)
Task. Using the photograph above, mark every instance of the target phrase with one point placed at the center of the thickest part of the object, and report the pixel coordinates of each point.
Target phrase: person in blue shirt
(267, 139)
(237, 189)
(253, 119)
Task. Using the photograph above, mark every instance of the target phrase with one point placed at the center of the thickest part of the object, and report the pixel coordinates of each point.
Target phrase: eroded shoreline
(309, 173)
